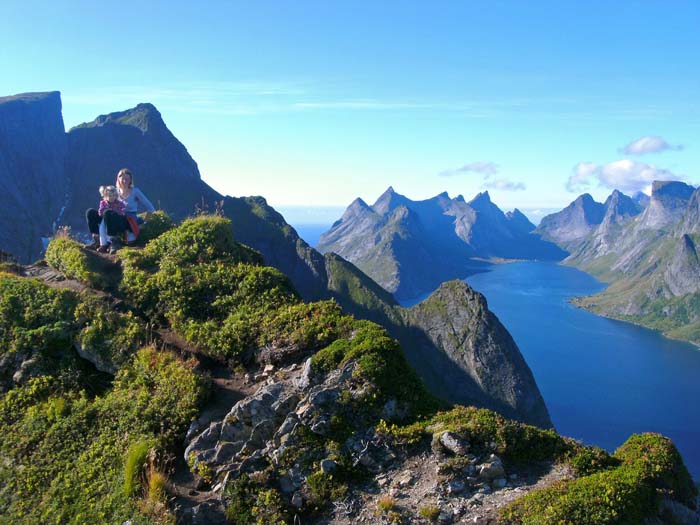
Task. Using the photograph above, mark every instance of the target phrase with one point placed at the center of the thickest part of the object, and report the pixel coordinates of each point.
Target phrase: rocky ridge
(165, 171)
(410, 247)
(649, 257)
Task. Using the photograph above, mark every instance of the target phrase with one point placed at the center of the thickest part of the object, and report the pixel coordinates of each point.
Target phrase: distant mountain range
(645, 249)
(51, 177)
(410, 247)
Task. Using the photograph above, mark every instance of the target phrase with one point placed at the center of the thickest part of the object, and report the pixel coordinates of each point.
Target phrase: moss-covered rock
(624, 495)
(67, 256)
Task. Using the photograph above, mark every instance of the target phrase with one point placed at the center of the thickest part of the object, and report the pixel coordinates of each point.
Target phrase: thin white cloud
(625, 175)
(484, 168)
(504, 185)
(649, 144)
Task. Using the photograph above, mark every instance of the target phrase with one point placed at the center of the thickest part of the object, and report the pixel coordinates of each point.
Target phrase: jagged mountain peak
(388, 201)
(143, 116)
(585, 199)
(480, 198)
(619, 206)
(520, 221)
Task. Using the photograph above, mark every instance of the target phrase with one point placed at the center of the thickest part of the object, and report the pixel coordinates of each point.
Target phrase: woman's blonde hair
(126, 171)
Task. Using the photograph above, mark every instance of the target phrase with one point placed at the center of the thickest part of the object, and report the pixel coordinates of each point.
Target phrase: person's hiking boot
(94, 245)
(115, 245)
(104, 248)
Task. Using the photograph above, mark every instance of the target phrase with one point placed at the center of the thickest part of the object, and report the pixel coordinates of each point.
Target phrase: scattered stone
(452, 442)
(499, 483)
(328, 466)
(445, 517)
(405, 479)
(304, 380)
(208, 513)
(455, 487)
(492, 469)
(268, 369)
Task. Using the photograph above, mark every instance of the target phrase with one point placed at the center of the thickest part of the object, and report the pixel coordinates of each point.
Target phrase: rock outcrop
(479, 362)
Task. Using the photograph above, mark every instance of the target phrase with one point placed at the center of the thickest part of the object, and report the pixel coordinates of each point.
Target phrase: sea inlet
(601, 379)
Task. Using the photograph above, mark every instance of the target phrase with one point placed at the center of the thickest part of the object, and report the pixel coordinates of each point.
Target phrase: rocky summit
(140, 138)
(183, 381)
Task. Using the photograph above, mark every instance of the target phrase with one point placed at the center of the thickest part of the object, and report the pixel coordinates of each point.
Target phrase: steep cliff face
(138, 139)
(682, 273)
(668, 203)
(32, 176)
(483, 365)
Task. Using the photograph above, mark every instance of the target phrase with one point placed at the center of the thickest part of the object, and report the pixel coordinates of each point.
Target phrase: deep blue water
(311, 232)
(602, 379)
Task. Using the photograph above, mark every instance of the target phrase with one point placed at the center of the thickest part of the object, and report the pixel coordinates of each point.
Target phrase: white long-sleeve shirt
(136, 198)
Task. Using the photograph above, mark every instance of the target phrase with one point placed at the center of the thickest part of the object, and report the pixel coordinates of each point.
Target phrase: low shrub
(67, 256)
(158, 223)
(624, 495)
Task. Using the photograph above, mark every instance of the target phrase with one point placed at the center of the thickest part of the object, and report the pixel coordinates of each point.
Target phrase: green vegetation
(81, 448)
(624, 495)
(64, 450)
(158, 223)
(429, 512)
(380, 363)
(68, 257)
(33, 317)
(254, 503)
(487, 432)
(218, 296)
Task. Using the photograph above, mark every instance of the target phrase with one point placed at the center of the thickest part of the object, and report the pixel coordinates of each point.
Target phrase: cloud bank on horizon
(625, 175)
(486, 169)
(649, 144)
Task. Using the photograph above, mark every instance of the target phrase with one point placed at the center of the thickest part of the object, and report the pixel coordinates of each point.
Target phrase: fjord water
(602, 379)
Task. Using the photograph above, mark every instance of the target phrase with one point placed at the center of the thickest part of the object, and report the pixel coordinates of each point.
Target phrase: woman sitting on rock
(117, 225)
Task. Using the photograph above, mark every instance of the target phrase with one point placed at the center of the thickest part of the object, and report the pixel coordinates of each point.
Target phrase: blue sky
(316, 103)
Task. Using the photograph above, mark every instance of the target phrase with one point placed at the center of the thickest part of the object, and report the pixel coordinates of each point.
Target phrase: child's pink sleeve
(103, 206)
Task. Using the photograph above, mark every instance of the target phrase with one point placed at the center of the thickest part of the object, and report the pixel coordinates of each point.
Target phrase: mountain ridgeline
(230, 339)
(90, 155)
(410, 247)
(646, 250)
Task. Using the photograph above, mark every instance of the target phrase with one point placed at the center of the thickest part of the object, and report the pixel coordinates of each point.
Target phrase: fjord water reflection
(602, 379)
